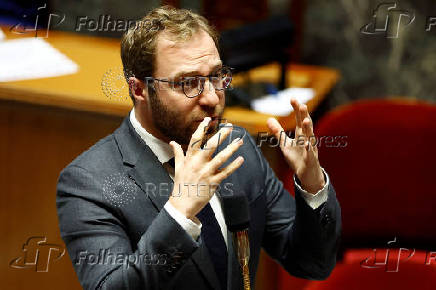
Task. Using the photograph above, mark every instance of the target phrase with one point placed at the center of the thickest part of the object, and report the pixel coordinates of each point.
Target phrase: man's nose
(208, 97)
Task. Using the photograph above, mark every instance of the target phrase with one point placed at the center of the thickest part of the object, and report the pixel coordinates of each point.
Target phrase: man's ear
(137, 89)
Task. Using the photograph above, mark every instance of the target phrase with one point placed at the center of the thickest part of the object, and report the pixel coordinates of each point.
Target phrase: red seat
(397, 274)
(380, 157)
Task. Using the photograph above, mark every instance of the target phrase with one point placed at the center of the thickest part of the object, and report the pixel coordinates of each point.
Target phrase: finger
(276, 129)
(307, 127)
(225, 154)
(312, 151)
(198, 135)
(228, 170)
(296, 105)
(218, 138)
(308, 132)
(304, 113)
(178, 154)
(298, 118)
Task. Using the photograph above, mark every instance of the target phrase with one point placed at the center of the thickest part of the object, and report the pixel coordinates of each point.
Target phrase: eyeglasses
(194, 86)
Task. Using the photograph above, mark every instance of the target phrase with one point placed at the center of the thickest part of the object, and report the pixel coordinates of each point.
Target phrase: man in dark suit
(141, 209)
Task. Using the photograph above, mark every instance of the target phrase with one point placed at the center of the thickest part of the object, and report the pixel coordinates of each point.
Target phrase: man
(141, 209)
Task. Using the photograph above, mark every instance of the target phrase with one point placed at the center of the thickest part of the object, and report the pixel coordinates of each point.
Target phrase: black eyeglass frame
(202, 81)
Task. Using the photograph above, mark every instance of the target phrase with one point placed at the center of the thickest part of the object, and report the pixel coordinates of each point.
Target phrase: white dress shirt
(164, 153)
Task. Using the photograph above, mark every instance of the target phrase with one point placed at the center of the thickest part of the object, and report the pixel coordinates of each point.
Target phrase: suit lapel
(145, 169)
(149, 174)
(152, 178)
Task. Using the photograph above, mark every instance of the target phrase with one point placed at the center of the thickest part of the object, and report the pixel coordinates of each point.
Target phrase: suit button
(326, 220)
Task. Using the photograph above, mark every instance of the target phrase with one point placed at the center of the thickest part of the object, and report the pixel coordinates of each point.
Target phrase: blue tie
(214, 240)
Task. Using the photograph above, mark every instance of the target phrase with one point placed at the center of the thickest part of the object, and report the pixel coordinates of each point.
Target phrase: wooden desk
(321, 79)
(96, 56)
(46, 123)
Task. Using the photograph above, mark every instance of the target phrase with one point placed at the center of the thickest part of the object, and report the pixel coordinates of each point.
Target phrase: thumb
(179, 156)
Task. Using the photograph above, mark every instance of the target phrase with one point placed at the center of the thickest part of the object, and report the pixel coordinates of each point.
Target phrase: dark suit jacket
(110, 206)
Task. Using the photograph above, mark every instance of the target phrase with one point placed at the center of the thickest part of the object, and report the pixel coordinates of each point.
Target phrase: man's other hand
(300, 154)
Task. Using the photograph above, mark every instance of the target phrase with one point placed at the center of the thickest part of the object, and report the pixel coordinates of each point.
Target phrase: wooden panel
(37, 142)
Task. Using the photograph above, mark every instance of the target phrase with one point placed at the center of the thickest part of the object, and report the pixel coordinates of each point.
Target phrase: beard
(174, 125)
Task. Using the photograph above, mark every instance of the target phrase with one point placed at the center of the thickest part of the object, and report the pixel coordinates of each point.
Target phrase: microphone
(237, 217)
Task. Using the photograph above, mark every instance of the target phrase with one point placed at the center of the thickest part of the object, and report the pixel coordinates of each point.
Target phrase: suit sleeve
(102, 253)
(302, 239)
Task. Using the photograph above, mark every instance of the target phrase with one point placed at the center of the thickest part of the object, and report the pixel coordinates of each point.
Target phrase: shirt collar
(162, 150)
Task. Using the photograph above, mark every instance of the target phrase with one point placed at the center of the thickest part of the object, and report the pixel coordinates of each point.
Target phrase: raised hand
(300, 154)
(197, 174)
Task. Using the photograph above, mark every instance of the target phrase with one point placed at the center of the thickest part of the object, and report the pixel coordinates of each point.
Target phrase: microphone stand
(237, 215)
(240, 238)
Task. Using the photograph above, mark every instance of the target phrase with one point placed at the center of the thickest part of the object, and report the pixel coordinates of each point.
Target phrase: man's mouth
(213, 119)
(212, 126)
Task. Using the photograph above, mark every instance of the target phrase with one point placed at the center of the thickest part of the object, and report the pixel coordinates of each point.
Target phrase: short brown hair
(138, 44)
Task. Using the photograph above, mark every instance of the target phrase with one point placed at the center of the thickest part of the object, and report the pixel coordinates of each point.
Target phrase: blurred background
(363, 67)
